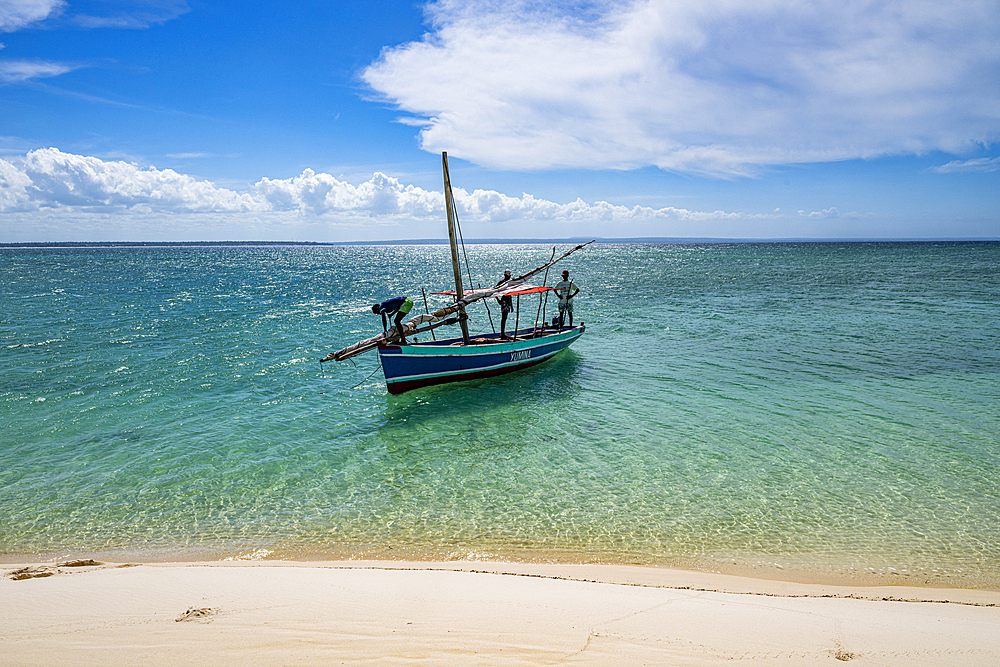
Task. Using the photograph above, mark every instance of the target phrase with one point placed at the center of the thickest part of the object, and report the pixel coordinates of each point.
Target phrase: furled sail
(503, 290)
(440, 317)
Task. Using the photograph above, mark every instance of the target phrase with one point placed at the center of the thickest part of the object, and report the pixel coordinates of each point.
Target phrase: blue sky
(207, 120)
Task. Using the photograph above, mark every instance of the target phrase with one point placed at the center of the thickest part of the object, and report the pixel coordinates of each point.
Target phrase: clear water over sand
(817, 411)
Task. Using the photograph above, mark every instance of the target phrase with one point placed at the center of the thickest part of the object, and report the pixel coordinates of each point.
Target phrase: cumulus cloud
(50, 180)
(717, 87)
(17, 14)
(319, 194)
(14, 185)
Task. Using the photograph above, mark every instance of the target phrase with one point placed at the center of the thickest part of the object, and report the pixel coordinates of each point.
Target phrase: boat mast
(449, 204)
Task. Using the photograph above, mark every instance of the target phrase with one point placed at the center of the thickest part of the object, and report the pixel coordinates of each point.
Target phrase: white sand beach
(473, 613)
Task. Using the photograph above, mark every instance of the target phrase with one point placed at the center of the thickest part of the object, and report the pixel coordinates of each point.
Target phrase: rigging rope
(458, 226)
(468, 271)
(545, 281)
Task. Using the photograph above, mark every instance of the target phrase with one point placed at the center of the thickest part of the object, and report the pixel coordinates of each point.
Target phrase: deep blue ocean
(815, 411)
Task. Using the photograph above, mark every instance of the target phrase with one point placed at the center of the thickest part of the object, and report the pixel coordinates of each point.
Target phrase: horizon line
(498, 241)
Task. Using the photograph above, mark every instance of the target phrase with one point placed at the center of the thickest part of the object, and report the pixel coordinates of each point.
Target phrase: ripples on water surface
(820, 411)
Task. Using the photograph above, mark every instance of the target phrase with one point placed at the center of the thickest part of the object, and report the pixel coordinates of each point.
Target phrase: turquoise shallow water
(815, 411)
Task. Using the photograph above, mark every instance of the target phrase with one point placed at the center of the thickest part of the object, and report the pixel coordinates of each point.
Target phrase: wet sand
(474, 613)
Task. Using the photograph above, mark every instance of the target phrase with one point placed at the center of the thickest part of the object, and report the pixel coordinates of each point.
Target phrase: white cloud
(831, 212)
(17, 14)
(62, 180)
(50, 180)
(708, 86)
(319, 194)
(978, 164)
(14, 185)
(17, 71)
(133, 15)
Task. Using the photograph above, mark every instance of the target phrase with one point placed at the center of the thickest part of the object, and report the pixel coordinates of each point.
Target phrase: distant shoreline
(486, 241)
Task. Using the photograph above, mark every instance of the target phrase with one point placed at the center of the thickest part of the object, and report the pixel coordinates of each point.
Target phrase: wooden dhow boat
(471, 356)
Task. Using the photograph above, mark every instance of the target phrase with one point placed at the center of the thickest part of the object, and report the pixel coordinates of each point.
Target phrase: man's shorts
(567, 307)
(408, 306)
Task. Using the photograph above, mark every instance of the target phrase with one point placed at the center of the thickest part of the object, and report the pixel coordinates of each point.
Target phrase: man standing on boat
(566, 290)
(506, 305)
(401, 305)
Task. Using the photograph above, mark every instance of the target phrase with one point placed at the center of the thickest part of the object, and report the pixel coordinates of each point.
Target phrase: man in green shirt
(399, 307)
(566, 290)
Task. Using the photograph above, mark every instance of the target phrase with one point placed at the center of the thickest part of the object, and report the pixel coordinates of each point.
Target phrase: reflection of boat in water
(469, 356)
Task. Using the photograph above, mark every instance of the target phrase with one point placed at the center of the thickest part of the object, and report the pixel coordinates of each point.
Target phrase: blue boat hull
(424, 364)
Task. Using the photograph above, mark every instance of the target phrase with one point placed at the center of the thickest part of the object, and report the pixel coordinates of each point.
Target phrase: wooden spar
(372, 343)
(449, 204)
